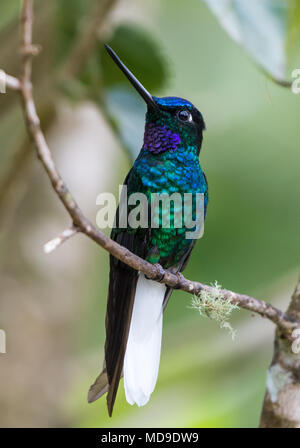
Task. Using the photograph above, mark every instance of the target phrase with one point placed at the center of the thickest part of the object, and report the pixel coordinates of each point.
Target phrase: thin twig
(82, 224)
(9, 81)
(60, 239)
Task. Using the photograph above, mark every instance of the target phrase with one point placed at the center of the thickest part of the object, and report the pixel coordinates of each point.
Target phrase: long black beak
(135, 82)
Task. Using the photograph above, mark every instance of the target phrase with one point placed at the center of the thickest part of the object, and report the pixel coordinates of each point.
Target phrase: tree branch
(281, 407)
(83, 225)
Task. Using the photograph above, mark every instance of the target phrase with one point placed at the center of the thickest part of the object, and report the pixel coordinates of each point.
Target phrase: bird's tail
(142, 355)
(143, 348)
(99, 387)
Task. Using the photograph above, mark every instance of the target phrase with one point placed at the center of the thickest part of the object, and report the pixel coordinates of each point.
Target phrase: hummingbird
(167, 163)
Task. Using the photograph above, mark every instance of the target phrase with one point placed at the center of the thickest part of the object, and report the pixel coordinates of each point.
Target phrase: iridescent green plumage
(168, 171)
(167, 164)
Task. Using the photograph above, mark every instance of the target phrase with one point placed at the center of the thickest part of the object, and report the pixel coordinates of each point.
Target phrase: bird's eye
(184, 116)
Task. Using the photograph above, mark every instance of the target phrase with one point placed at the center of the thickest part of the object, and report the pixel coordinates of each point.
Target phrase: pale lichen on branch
(211, 304)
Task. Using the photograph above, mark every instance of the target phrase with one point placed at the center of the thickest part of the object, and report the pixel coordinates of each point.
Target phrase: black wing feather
(121, 293)
(122, 285)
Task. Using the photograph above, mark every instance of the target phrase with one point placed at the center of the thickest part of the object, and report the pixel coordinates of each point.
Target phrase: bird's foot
(160, 273)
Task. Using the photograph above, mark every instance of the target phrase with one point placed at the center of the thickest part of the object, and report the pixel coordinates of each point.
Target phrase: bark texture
(281, 408)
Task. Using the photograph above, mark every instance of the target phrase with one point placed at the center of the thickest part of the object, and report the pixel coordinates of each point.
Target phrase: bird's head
(170, 121)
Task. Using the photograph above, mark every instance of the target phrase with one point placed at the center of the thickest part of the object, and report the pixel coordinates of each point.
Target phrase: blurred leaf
(91, 76)
(111, 90)
(260, 26)
(9, 11)
(139, 52)
(102, 81)
(294, 26)
(73, 89)
(127, 110)
(69, 18)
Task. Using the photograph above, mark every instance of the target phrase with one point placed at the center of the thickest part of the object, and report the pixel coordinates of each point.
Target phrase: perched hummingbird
(168, 162)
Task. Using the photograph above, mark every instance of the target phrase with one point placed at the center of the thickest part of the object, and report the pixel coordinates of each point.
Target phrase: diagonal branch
(83, 225)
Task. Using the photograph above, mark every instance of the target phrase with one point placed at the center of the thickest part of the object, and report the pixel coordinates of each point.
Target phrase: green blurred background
(53, 306)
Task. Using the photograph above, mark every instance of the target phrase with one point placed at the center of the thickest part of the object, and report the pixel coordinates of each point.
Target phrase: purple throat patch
(158, 138)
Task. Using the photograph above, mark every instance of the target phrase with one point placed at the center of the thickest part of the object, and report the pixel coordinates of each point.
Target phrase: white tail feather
(142, 355)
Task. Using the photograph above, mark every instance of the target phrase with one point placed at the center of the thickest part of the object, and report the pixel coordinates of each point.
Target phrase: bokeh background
(52, 307)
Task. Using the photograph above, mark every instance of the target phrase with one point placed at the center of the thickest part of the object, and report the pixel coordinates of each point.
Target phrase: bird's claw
(161, 272)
